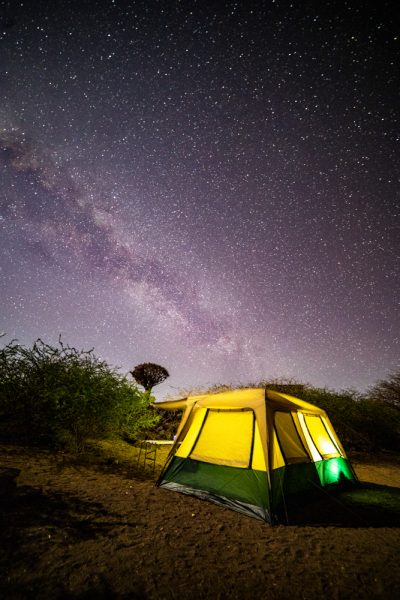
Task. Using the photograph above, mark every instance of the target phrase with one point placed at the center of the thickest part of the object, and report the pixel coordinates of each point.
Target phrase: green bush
(59, 395)
(167, 425)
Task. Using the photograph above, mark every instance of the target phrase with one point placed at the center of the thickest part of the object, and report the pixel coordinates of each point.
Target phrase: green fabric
(247, 490)
(291, 480)
(243, 485)
(305, 478)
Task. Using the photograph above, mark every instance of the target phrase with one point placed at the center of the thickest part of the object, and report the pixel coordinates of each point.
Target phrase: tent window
(226, 438)
(314, 452)
(289, 440)
(322, 440)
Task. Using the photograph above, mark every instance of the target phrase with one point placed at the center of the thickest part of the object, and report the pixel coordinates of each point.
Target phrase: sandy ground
(69, 531)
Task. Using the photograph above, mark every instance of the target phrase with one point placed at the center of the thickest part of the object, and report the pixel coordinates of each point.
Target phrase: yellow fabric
(310, 444)
(299, 430)
(172, 404)
(287, 402)
(323, 442)
(258, 461)
(249, 397)
(253, 398)
(225, 438)
(186, 422)
(289, 439)
(333, 435)
(277, 458)
(192, 433)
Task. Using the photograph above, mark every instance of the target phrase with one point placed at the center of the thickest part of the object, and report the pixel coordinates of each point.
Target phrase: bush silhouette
(387, 390)
(59, 395)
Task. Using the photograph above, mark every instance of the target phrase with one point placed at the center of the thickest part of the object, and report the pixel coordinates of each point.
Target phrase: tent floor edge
(250, 510)
(242, 489)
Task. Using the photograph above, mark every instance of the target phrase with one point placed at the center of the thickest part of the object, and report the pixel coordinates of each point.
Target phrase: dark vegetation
(387, 390)
(61, 396)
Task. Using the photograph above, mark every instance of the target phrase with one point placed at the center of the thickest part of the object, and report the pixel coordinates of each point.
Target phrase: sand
(72, 531)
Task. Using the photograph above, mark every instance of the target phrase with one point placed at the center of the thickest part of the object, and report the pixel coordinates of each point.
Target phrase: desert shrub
(387, 390)
(59, 395)
(380, 424)
(167, 425)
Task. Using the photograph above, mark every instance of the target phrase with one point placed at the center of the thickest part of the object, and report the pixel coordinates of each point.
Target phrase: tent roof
(244, 397)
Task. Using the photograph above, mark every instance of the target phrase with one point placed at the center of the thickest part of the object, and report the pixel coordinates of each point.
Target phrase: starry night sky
(212, 186)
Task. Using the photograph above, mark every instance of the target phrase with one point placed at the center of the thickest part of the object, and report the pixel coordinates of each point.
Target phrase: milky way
(213, 186)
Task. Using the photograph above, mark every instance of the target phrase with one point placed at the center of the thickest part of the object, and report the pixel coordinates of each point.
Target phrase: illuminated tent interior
(252, 450)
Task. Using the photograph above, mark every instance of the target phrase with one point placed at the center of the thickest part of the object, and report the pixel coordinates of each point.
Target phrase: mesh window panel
(289, 440)
(320, 436)
(226, 438)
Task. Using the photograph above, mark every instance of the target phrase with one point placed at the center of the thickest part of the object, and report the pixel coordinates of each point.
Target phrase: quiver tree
(148, 375)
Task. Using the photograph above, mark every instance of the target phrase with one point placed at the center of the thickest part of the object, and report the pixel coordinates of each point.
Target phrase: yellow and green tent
(252, 449)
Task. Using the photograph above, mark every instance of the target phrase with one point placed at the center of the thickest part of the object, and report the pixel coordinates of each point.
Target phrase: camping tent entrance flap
(251, 449)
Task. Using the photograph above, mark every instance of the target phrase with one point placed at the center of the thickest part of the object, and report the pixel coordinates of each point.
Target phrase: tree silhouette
(148, 375)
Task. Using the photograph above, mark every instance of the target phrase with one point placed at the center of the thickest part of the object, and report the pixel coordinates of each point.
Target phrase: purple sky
(212, 186)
